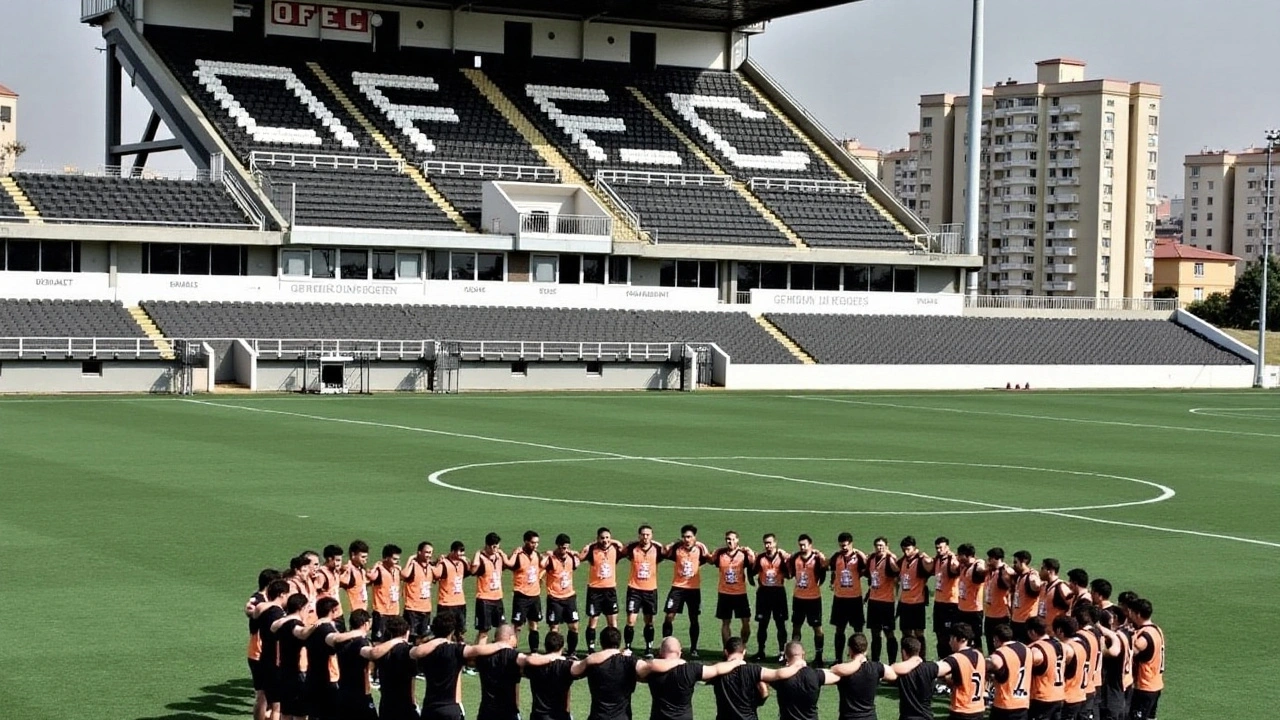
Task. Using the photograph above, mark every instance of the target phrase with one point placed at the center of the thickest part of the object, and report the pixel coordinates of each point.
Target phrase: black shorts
(1002, 714)
(293, 698)
(680, 598)
(1020, 632)
(1143, 704)
(1115, 703)
(258, 673)
(419, 623)
(322, 700)
(974, 619)
(848, 611)
(525, 608)
(806, 610)
(377, 627)
(880, 615)
(357, 706)
(459, 614)
(729, 607)
(489, 614)
(911, 616)
(1072, 711)
(771, 603)
(602, 601)
(943, 615)
(642, 602)
(1041, 710)
(562, 610)
(989, 625)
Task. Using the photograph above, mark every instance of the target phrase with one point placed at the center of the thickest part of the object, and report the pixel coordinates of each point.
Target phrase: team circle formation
(1055, 648)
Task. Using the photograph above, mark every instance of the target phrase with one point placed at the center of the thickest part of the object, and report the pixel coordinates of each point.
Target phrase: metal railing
(55, 348)
(259, 158)
(244, 198)
(283, 195)
(477, 350)
(623, 208)
(117, 171)
(94, 9)
(660, 178)
(1040, 302)
(491, 170)
(147, 223)
(837, 186)
(544, 223)
(372, 349)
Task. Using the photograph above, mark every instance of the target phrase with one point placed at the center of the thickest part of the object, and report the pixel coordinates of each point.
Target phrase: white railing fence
(624, 208)
(806, 185)
(491, 170)
(244, 198)
(1040, 302)
(660, 178)
(263, 158)
(46, 348)
(372, 349)
(477, 350)
(544, 223)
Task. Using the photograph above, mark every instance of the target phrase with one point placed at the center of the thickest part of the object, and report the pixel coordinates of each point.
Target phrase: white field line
(598, 453)
(1027, 416)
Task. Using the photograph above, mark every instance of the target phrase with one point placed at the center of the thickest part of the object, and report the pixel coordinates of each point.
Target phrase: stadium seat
(87, 197)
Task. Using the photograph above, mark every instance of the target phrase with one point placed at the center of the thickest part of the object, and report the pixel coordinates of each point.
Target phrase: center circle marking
(1165, 492)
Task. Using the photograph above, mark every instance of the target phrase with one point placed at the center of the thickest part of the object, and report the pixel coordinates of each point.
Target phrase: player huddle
(1056, 649)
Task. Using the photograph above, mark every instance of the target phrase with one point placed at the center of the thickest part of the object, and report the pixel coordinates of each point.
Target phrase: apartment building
(1068, 184)
(1225, 201)
(899, 171)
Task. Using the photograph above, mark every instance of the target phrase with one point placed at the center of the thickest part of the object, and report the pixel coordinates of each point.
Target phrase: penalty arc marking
(1165, 492)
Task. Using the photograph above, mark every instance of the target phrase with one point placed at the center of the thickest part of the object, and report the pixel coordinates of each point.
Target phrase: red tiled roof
(6, 92)
(1178, 251)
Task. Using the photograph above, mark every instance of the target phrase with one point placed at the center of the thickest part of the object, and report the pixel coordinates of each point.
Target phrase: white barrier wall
(979, 377)
(56, 376)
(855, 303)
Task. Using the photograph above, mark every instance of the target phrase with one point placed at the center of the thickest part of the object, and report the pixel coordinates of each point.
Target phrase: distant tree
(1242, 305)
(9, 154)
(1212, 310)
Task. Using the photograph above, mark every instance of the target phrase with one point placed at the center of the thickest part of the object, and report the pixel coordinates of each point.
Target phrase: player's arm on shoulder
(578, 668)
(995, 662)
(829, 677)
(889, 674)
(379, 651)
(483, 650)
(944, 667)
(538, 659)
(333, 639)
(724, 667)
(771, 676)
(1112, 642)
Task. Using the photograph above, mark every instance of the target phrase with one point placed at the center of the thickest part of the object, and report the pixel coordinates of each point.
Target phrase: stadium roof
(718, 14)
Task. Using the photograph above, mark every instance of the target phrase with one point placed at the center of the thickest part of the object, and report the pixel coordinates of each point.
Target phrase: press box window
(91, 368)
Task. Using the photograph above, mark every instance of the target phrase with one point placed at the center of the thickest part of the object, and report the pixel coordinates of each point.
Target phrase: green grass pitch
(132, 529)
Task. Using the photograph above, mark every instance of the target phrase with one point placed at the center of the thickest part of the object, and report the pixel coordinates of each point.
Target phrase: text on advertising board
(330, 17)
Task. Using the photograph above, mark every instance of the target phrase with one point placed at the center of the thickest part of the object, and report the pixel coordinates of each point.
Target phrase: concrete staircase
(786, 342)
(715, 168)
(390, 149)
(623, 231)
(148, 326)
(25, 206)
(818, 152)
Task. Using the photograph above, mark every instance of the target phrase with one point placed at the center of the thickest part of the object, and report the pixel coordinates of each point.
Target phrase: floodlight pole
(973, 209)
(1268, 208)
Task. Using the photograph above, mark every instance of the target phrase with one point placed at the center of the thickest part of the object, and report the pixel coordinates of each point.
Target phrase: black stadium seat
(89, 197)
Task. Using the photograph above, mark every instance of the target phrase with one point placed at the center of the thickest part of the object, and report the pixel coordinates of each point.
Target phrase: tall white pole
(1268, 208)
(973, 210)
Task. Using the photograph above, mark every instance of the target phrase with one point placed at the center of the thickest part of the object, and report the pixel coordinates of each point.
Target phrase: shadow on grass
(233, 698)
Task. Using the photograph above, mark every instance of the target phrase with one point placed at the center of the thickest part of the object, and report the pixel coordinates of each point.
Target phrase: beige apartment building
(1225, 201)
(1194, 273)
(8, 123)
(1068, 183)
(899, 171)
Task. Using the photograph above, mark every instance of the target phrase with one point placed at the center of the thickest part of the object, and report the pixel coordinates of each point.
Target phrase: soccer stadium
(418, 207)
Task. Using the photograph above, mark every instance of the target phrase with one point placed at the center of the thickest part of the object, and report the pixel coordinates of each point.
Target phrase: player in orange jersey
(966, 669)
(487, 567)
(642, 586)
(972, 575)
(1010, 665)
(1117, 668)
(602, 582)
(354, 576)
(769, 573)
(385, 579)
(689, 555)
(1092, 637)
(808, 568)
(1075, 669)
(302, 577)
(417, 577)
(450, 571)
(731, 563)
(1025, 600)
(882, 574)
(327, 575)
(946, 599)
(996, 593)
(1048, 662)
(254, 652)
(562, 596)
(526, 583)
(914, 570)
(1078, 586)
(1055, 599)
(1148, 661)
(848, 566)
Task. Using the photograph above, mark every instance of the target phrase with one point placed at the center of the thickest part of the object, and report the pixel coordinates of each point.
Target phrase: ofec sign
(328, 17)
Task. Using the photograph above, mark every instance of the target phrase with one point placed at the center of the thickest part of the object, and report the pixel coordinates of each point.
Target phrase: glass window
(773, 276)
(194, 260)
(164, 259)
(707, 274)
(293, 263)
(24, 255)
(355, 264)
(857, 278)
(801, 277)
(826, 277)
(463, 265)
(748, 276)
(904, 279)
(593, 269)
(230, 260)
(570, 269)
(409, 265)
(667, 273)
(619, 270)
(544, 268)
(384, 265)
(491, 267)
(57, 256)
(881, 278)
(686, 273)
(324, 263)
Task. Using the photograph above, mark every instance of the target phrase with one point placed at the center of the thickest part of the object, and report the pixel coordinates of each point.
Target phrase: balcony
(1072, 163)
(1065, 145)
(1018, 197)
(1017, 266)
(1023, 127)
(1019, 232)
(1065, 269)
(1069, 199)
(1019, 283)
(1020, 215)
(1059, 286)
(1061, 251)
(1015, 250)
(1063, 181)
(1061, 234)
(1020, 145)
(1022, 163)
(1069, 126)
(1016, 180)
(1069, 216)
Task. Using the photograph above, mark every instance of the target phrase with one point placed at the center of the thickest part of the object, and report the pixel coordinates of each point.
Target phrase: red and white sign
(327, 17)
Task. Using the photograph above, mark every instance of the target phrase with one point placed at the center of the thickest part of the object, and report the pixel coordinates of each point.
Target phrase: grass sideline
(133, 528)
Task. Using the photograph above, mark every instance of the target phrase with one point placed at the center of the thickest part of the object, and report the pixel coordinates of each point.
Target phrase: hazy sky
(859, 68)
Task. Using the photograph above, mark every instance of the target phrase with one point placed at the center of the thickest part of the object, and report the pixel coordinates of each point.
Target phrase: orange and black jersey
(1148, 663)
(1117, 672)
(948, 590)
(809, 574)
(968, 681)
(1013, 679)
(1026, 602)
(1055, 601)
(644, 565)
(255, 642)
(770, 570)
(1047, 682)
(913, 580)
